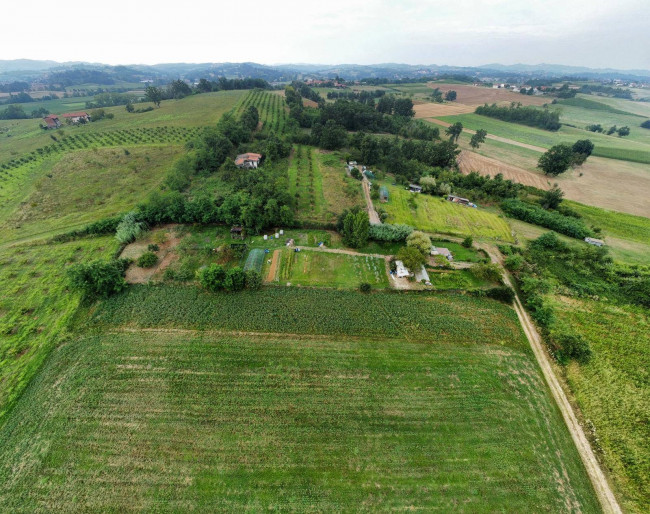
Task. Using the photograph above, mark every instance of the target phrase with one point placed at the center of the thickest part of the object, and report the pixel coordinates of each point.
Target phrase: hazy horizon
(468, 33)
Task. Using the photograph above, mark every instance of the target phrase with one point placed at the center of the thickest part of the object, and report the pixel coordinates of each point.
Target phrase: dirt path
(603, 490)
(341, 251)
(493, 137)
(274, 266)
(372, 213)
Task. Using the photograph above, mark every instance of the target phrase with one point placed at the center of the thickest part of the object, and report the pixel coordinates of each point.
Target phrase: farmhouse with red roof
(248, 160)
(52, 121)
(76, 117)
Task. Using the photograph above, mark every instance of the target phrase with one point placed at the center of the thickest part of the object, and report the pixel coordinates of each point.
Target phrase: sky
(593, 33)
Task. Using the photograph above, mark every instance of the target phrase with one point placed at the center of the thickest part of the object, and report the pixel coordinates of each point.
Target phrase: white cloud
(467, 32)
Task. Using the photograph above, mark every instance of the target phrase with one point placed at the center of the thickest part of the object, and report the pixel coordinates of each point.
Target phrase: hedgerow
(536, 215)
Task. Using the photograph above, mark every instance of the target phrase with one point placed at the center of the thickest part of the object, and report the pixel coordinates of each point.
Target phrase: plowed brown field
(613, 185)
(475, 95)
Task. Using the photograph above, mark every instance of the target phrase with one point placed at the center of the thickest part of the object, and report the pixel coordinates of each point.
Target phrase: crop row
(134, 136)
(312, 311)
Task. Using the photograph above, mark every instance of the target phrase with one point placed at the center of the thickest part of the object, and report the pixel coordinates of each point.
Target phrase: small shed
(383, 193)
(237, 232)
(458, 199)
(421, 275)
(400, 270)
(593, 241)
(414, 188)
(436, 250)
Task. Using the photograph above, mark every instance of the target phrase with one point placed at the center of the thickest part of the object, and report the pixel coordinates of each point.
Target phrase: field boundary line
(598, 479)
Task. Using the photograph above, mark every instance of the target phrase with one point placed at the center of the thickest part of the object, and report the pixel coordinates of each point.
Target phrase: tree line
(516, 113)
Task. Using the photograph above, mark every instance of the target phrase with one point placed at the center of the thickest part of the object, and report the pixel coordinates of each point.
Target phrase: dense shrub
(129, 228)
(567, 345)
(538, 216)
(503, 293)
(514, 262)
(253, 279)
(468, 242)
(487, 271)
(365, 287)
(235, 279)
(147, 260)
(389, 233)
(98, 279)
(212, 277)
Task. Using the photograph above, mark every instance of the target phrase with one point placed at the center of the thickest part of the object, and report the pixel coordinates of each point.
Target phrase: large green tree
(333, 136)
(454, 131)
(153, 94)
(478, 138)
(556, 160)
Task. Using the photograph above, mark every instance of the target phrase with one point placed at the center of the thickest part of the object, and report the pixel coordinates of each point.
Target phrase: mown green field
(80, 187)
(36, 305)
(605, 146)
(612, 391)
(385, 401)
(314, 268)
(435, 214)
(627, 236)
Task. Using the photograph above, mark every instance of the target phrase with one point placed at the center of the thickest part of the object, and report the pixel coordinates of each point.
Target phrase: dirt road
(603, 490)
(372, 213)
(274, 266)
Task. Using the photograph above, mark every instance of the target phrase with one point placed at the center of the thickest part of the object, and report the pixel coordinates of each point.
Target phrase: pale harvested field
(474, 95)
(615, 185)
(432, 110)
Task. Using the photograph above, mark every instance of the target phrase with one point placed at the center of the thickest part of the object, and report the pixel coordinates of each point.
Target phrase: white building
(400, 270)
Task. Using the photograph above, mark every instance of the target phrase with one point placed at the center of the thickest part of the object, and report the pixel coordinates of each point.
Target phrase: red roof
(51, 117)
(241, 159)
(74, 114)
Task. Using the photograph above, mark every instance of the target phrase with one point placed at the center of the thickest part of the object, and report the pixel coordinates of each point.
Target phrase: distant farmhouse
(52, 121)
(248, 160)
(77, 117)
(461, 201)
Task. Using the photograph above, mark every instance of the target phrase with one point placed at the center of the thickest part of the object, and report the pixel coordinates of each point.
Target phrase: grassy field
(25, 136)
(314, 268)
(319, 184)
(433, 214)
(35, 306)
(456, 279)
(628, 237)
(306, 183)
(384, 401)
(605, 146)
(83, 186)
(612, 391)
(172, 422)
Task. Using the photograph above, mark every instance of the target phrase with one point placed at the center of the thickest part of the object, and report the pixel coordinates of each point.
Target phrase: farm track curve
(598, 479)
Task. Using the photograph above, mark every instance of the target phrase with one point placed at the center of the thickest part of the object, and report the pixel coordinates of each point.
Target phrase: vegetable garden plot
(255, 260)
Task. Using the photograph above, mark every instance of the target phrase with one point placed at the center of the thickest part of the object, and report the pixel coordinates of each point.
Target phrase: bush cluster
(536, 215)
